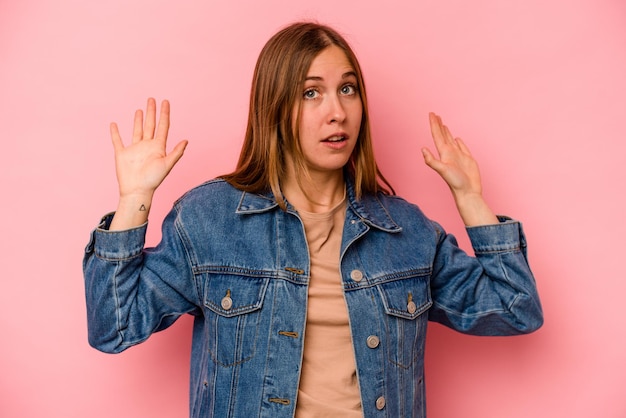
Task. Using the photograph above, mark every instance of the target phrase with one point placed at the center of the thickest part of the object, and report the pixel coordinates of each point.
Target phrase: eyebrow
(344, 75)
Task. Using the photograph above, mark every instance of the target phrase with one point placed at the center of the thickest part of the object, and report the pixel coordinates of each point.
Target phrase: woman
(305, 237)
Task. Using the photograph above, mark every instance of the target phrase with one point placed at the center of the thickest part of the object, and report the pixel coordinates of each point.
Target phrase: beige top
(328, 383)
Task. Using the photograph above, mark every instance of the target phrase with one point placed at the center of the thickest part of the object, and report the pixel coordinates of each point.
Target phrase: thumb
(431, 161)
(172, 158)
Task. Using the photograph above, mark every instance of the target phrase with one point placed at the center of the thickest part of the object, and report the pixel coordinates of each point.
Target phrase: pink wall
(537, 88)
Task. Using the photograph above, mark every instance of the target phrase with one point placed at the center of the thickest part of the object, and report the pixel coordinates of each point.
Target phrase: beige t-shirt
(328, 383)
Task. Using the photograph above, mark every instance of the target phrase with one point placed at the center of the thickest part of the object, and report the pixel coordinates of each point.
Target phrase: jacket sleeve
(132, 292)
(493, 293)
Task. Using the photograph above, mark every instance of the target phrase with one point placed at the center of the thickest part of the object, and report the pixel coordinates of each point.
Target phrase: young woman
(311, 283)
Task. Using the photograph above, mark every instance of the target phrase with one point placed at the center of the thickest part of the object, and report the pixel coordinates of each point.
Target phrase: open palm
(143, 165)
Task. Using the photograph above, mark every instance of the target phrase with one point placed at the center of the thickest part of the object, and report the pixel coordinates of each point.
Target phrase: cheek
(357, 109)
(309, 121)
(358, 115)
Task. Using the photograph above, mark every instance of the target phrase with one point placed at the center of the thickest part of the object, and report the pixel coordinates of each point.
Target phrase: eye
(310, 94)
(348, 89)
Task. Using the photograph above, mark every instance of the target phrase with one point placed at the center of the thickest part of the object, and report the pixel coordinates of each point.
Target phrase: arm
(132, 292)
(142, 165)
(495, 292)
(460, 171)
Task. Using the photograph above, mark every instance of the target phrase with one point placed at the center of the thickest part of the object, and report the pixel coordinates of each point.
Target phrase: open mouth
(335, 138)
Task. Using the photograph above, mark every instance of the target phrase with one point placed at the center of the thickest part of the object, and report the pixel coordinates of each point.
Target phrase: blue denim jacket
(240, 265)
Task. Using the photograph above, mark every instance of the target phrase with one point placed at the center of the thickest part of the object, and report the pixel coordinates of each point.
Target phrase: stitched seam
(118, 313)
(466, 315)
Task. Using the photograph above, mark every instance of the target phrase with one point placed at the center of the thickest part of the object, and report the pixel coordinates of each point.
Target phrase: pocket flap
(230, 295)
(406, 298)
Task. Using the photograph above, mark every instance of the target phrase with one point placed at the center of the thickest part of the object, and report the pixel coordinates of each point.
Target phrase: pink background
(536, 88)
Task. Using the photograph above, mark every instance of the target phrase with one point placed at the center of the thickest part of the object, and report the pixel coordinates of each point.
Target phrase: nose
(336, 112)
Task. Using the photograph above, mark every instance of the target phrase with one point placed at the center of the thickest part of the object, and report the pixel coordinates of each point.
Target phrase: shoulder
(411, 218)
(399, 206)
(211, 189)
(214, 194)
(384, 210)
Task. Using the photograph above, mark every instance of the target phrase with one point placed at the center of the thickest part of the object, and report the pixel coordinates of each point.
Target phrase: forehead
(330, 59)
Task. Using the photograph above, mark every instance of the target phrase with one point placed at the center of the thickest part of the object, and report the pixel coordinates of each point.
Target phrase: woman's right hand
(142, 165)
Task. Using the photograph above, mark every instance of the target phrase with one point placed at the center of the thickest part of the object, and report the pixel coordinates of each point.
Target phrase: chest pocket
(405, 302)
(233, 312)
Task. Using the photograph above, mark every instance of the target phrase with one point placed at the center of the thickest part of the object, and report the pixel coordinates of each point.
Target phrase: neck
(317, 194)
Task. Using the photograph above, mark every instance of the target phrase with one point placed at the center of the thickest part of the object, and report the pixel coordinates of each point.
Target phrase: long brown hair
(277, 84)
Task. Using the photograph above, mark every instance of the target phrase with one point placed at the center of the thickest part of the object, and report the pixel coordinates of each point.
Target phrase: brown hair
(277, 84)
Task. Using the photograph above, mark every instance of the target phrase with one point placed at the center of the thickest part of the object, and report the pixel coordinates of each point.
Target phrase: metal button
(373, 341)
(227, 303)
(294, 270)
(380, 403)
(411, 307)
(356, 275)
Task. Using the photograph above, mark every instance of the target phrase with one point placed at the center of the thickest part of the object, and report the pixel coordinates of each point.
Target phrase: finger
(148, 128)
(448, 135)
(435, 130)
(164, 121)
(116, 138)
(138, 126)
(172, 158)
(435, 127)
(462, 146)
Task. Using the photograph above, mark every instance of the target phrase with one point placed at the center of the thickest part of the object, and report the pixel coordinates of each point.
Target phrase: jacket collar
(369, 208)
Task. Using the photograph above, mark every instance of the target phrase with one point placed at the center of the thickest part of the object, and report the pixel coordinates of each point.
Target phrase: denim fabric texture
(240, 265)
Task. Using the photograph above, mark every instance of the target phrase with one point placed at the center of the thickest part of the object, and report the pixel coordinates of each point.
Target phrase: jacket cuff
(506, 236)
(116, 245)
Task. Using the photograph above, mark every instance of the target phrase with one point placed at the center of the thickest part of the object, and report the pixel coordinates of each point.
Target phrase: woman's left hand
(460, 171)
(455, 164)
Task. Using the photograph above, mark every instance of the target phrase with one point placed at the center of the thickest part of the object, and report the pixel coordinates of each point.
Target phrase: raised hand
(142, 165)
(460, 171)
(455, 164)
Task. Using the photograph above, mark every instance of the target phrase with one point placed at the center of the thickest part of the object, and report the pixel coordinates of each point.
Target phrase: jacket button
(227, 303)
(373, 341)
(411, 307)
(380, 403)
(356, 275)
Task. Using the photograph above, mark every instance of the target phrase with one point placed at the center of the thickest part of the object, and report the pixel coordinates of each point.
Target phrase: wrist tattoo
(142, 208)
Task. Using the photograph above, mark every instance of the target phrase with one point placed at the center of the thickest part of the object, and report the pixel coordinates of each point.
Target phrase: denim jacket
(240, 265)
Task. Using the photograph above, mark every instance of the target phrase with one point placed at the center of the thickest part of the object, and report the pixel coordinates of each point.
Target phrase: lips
(336, 138)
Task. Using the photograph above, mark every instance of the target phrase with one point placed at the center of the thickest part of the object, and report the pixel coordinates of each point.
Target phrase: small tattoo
(142, 208)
